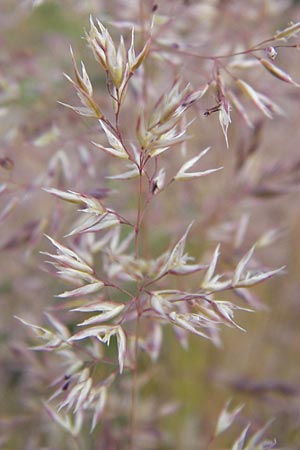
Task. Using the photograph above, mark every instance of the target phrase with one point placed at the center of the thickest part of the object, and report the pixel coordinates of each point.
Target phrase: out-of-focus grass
(49, 18)
(202, 378)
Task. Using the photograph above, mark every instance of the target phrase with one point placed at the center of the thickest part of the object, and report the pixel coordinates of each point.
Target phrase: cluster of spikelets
(98, 235)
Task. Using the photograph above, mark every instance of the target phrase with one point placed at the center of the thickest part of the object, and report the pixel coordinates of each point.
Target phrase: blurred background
(45, 144)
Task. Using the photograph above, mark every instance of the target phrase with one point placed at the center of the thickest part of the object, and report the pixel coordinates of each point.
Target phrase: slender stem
(118, 114)
(137, 305)
(211, 440)
(139, 216)
(134, 392)
(256, 48)
(77, 444)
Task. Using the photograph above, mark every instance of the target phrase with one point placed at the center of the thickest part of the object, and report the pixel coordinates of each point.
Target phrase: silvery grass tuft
(122, 295)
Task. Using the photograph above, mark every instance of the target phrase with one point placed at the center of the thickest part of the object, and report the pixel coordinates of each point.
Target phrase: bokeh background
(45, 144)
